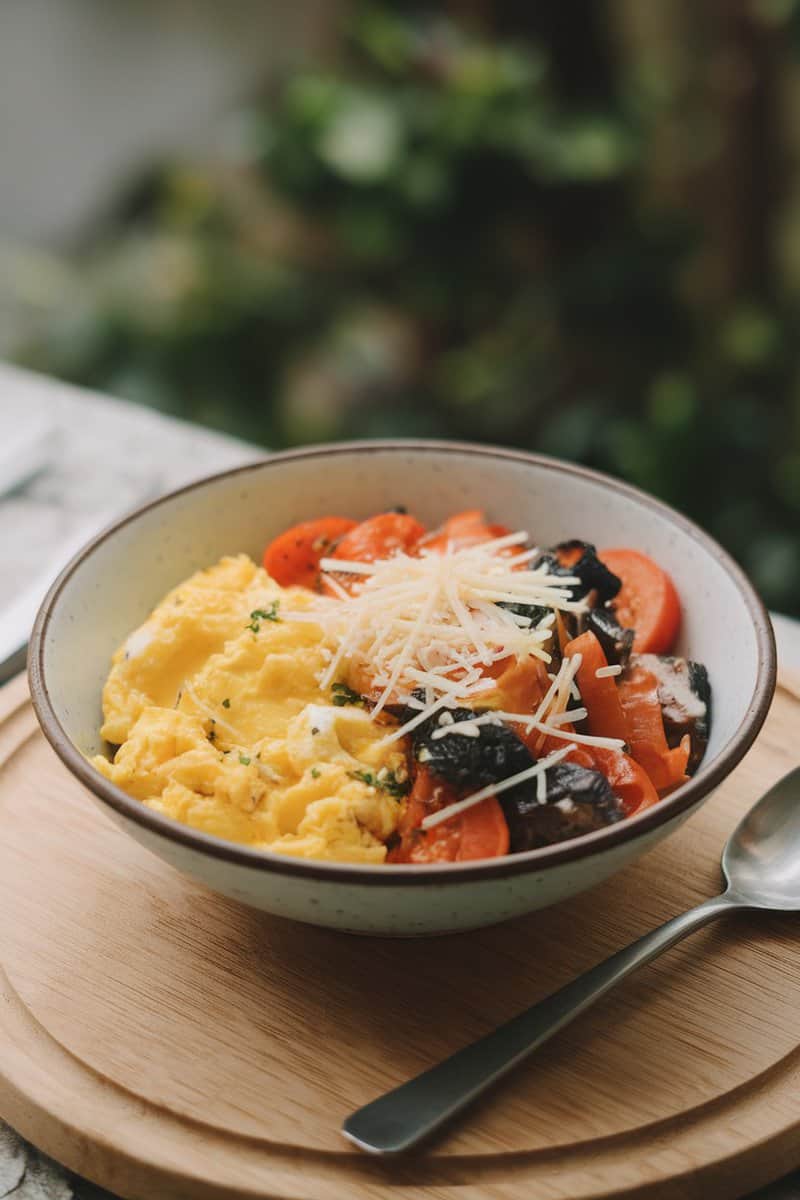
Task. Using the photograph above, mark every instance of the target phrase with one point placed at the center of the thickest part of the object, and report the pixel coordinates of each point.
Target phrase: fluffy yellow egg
(220, 721)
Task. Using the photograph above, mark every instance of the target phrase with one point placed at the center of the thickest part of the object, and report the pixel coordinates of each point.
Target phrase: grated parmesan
(432, 624)
(608, 672)
(529, 722)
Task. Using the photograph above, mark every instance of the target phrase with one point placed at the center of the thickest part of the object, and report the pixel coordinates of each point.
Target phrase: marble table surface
(108, 456)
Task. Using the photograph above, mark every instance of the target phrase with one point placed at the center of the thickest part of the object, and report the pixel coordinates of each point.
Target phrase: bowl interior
(117, 583)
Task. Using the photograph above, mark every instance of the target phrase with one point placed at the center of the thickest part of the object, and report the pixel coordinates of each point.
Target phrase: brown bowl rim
(685, 798)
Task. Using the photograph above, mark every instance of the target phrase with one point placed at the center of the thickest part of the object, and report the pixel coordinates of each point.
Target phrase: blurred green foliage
(526, 230)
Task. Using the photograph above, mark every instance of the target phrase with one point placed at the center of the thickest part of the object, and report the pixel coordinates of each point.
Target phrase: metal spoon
(761, 866)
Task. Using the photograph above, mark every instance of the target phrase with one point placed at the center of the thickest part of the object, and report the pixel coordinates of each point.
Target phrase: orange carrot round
(293, 557)
(477, 832)
(647, 601)
(380, 537)
(468, 528)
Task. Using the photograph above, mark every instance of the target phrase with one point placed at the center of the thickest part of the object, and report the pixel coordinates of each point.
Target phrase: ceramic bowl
(110, 587)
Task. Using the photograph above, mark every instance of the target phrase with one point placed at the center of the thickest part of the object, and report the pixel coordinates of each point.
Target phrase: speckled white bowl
(110, 587)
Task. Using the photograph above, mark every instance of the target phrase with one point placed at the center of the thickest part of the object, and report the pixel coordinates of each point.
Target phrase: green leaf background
(569, 227)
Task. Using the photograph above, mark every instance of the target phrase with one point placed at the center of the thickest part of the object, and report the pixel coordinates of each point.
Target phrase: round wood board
(166, 1042)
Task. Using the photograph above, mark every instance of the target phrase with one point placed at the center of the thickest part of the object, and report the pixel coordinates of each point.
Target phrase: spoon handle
(401, 1118)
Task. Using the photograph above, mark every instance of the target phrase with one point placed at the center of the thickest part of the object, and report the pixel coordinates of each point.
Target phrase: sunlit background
(572, 227)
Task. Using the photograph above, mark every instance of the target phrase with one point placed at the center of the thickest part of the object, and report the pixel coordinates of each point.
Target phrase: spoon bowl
(761, 861)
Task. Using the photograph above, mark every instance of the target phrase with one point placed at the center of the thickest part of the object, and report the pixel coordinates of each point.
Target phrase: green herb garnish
(342, 694)
(385, 781)
(226, 703)
(263, 614)
(244, 760)
(315, 772)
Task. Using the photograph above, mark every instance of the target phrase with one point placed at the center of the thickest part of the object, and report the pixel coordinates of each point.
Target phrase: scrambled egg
(221, 723)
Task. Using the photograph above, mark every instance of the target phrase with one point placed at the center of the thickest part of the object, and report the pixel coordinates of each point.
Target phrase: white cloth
(106, 456)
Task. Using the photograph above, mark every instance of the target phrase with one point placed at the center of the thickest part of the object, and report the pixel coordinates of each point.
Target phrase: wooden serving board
(170, 1044)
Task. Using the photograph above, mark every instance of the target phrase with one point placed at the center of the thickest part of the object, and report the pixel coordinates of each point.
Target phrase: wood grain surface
(167, 1042)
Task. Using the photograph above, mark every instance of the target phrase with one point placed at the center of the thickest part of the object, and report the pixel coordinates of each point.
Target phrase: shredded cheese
(426, 629)
(569, 715)
(335, 586)
(208, 712)
(608, 672)
(529, 722)
(436, 619)
(426, 712)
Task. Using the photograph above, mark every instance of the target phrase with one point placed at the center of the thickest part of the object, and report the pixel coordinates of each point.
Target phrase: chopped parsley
(385, 781)
(244, 760)
(315, 772)
(263, 614)
(342, 695)
(226, 703)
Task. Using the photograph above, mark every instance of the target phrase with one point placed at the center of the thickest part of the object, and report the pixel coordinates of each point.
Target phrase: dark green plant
(461, 233)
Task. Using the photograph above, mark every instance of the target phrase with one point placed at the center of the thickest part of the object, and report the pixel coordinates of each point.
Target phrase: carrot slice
(521, 684)
(380, 537)
(628, 779)
(647, 602)
(599, 696)
(468, 528)
(377, 537)
(293, 557)
(638, 693)
(484, 831)
(478, 832)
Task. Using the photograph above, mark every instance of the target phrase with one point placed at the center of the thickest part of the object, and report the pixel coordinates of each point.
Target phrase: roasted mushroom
(577, 801)
(534, 612)
(579, 559)
(615, 640)
(684, 693)
(474, 757)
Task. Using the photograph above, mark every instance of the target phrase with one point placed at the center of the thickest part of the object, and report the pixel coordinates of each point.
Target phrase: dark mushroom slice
(577, 801)
(473, 758)
(534, 612)
(616, 641)
(684, 693)
(580, 560)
